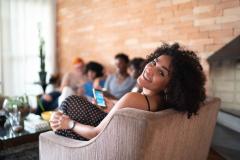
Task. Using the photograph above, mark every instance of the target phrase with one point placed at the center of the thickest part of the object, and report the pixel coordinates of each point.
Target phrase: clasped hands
(59, 120)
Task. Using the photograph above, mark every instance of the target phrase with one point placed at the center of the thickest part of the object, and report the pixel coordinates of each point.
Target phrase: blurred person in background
(49, 101)
(135, 68)
(75, 77)
(93, 71)
(120, 82)
(73, 80)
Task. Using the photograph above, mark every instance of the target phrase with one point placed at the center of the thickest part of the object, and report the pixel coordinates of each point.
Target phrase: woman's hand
(59, 121)
(109, 102)
(54, 120)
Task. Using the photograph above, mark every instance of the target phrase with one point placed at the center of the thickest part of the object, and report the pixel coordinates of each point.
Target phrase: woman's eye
(161, 73)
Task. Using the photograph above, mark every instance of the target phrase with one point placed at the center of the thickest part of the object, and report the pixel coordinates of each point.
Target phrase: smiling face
(156, 74)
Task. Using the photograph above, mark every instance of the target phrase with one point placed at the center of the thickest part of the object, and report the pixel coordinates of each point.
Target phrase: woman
(173, 78)
(93, 70)
(75, 77)
(72, 80)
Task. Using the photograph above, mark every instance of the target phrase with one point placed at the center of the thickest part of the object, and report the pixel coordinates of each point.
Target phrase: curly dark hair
(96, 67)
(137, 63)
(185, 91)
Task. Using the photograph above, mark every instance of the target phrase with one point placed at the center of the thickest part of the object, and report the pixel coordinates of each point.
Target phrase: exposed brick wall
(98, 29)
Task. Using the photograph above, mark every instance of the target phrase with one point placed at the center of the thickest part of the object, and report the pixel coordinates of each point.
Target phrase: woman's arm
(65, 81)
(60, 121)
(129, 100)
(109, 104)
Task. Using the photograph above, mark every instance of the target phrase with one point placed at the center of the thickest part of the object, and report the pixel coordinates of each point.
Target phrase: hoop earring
(165, 95)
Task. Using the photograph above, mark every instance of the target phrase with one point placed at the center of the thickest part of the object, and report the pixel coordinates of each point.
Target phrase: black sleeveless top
(147, 102)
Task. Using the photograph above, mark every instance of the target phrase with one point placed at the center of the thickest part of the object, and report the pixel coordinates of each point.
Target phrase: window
(19, 48)
(1, 62)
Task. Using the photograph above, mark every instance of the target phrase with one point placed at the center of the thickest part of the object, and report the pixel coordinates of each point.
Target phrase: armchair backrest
(161, 135)
(174, 136)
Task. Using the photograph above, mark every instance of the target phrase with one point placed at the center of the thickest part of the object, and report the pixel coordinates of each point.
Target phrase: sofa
(134, 134)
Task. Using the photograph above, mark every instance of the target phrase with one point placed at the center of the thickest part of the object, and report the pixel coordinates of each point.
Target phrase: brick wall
(98, 29)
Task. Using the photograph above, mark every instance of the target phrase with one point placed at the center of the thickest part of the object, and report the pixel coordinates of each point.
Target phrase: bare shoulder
(133, 100)
(132, 96)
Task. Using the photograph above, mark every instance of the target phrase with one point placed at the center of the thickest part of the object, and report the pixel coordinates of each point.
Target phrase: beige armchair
(134, 134)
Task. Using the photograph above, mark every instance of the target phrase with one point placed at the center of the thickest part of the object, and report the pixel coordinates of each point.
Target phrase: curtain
(19, 44)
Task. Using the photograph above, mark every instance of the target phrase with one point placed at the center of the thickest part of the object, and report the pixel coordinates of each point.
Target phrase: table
(8, 138)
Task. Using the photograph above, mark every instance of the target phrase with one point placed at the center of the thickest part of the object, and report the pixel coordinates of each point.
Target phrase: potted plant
(42, 73)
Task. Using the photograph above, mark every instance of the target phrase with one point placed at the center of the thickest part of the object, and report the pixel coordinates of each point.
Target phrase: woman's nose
(150, 70)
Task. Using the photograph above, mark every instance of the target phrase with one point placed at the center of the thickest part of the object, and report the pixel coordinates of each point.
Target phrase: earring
(165, 95)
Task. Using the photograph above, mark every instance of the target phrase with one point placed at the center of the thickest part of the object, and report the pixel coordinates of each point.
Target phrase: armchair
(134, 134)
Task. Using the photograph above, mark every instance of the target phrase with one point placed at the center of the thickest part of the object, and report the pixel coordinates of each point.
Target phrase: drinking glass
(14, 119)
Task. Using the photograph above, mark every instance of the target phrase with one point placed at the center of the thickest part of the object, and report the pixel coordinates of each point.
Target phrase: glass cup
(14, 119)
